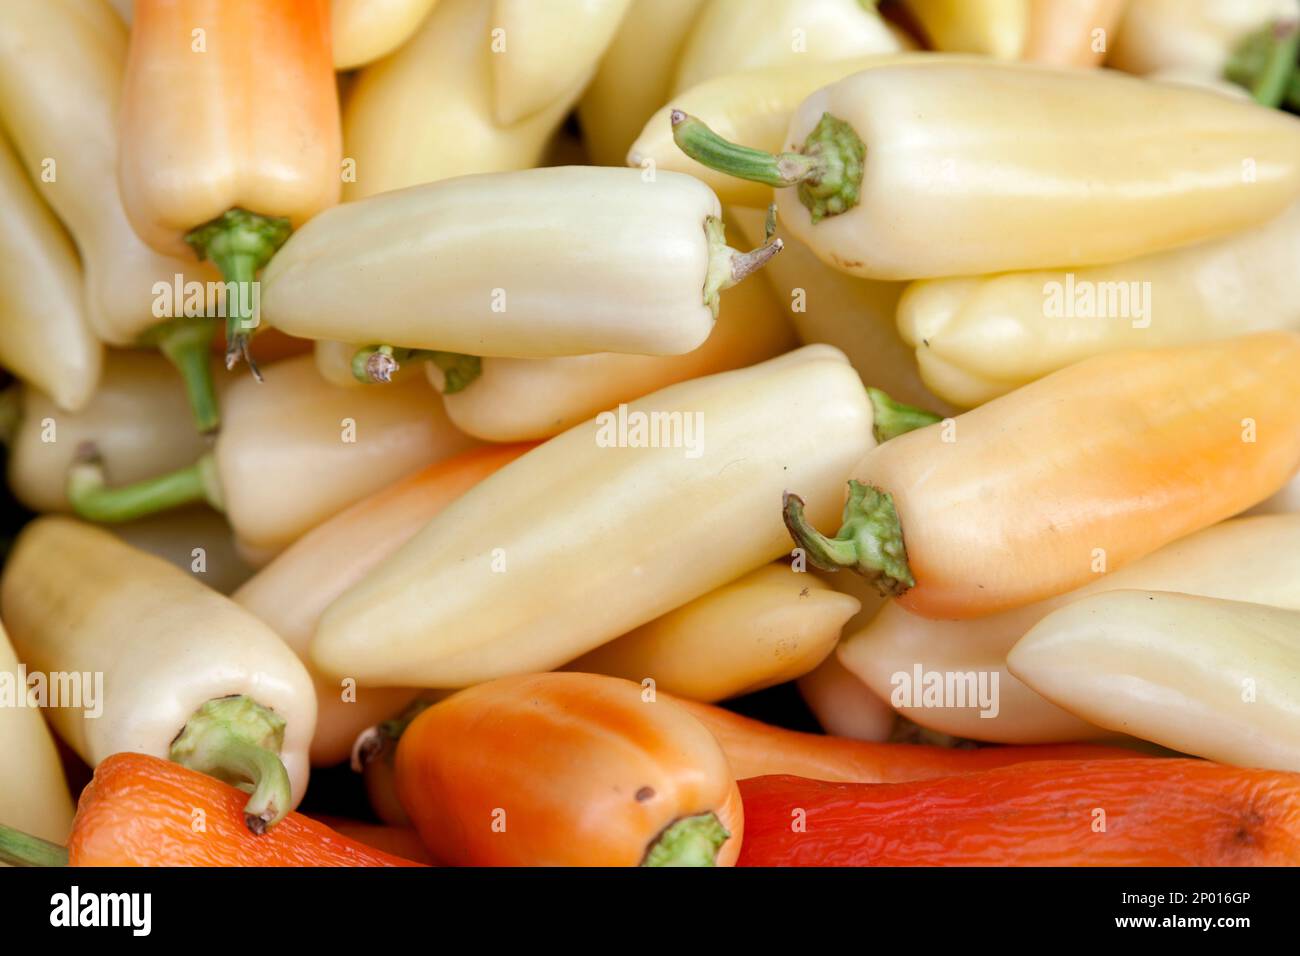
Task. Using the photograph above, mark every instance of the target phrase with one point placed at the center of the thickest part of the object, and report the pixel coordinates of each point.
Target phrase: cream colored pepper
(541, 52)
(522, 399)
(1218, 679)
(425, 113)
(597, 532)
(1254, 559)
(365, 30)
(45, 338)
(737, 35)
(912, 172)
(560, 261)
(977, 338)
(161, 647)
(996, 28)
(33, 792)
(768, 627)
(843, 705)
(1198, 35)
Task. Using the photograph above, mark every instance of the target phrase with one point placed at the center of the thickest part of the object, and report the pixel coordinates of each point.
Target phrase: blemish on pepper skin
(644, 794)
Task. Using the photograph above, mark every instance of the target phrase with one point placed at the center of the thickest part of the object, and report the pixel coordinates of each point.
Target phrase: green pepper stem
(240, 243)
(870, 539)
(891, 418)
(1265, 64)
(23, 849)
(458, 371)
(186, 341)
(828, 168)
(380, 738)
(237, 740)
(728, 266)
(376, 364)
(92, 499)
(690, 841)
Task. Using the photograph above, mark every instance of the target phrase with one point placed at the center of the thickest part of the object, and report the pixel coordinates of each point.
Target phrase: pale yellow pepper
(33, 792)
(1071, 32)
(995, 28)
(977, 338)
(768, 627)
(843, 705)
(1194, 35)
(366, 30)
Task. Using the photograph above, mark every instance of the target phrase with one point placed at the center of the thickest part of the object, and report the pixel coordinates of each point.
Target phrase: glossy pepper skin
(565, 770)
(139, 811)
(756, 749)
(1089, 468)
(230, 122)
(1155, 812)
(889, 175)
(366, 30)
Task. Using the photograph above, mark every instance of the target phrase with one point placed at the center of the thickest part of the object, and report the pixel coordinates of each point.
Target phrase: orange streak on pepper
(142, 811)
(1137, 812)
(756, 749)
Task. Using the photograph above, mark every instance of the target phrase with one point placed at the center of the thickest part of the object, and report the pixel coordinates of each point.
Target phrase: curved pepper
(983, 193)
(1194, 35)
(61, 66)
(843, 705)
(567, 770)
(526, 399)
(583, 538)
(290, 593)
(977, 338)
(1006, 505)
(298, 429)
(736, 35)
(140, 811)
(509, 257)
(768, 627)
(202, 76)
(1253, 559)
(1201, 675)
(45, 338)
(1152, 813)
(174, 669)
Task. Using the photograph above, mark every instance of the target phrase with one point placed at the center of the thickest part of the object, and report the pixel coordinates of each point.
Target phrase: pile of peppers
(510, 400)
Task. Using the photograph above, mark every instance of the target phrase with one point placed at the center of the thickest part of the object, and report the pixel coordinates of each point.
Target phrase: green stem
(458, 371)
(892, 418)
(186, 342)
(237, 740)
(827, 169)
(93, 500)
(870, 539)
(377, 364)
(690, 841)
(380, 739)
(728, 266)
(1265, 63)
(23, 849)
(240, 243)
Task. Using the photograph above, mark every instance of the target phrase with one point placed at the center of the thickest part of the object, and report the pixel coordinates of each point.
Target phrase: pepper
(768, 627)
(583, 538)
(996, 28)
(196, 539)
(425, 113)
(336, 363)
(1253, 559)
(508, 258)
(1071, 32)
(137, 418)
(635, 76)
(202, 75)
(977, 338)
(296, 428)
(366, 30)
(45, 338)
(33, 793)
(1199, 35)
(522, 399)
(176, 669)
(1200, 675)
(843, 705)
(736, 35)
(1006, 505)
(399, 841)
(567, 770)
(61, 66)
(547, 52)
(894, 145)
(755, 749)
(857, 316)
(290, 593)
(1136, 812)
(140, 811)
